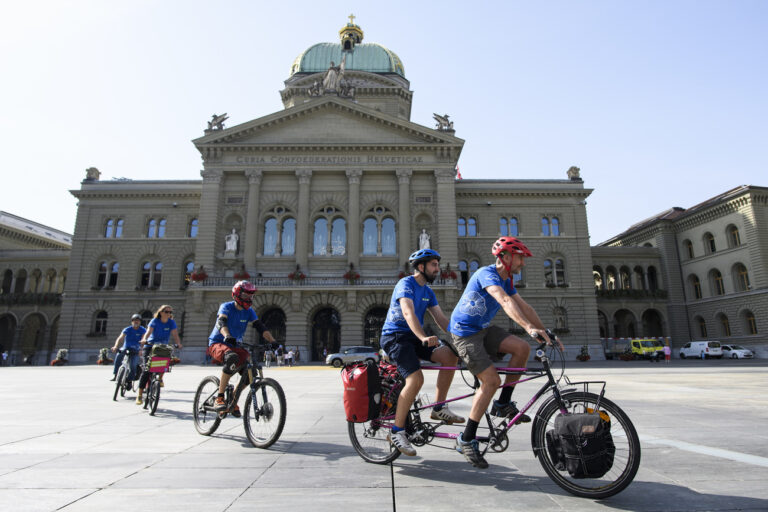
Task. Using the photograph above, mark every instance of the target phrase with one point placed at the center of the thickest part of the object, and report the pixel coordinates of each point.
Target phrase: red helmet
(243, 292)
(511, 245)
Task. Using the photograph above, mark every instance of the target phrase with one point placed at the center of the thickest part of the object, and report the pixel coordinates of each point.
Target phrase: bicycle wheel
(264, 414)
(154, 396)
(119, 383)
(206, 419)
(626, 459)
(370, 441)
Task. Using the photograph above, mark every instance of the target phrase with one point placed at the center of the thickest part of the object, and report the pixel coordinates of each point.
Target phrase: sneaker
(471, 452)
(401, 442)
(139, 401)
(113, 378)
(508, 410)
(236, 412)
(447, 416)
(220, 404)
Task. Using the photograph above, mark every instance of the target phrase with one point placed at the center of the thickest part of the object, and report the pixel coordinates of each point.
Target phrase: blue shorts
(405, 349)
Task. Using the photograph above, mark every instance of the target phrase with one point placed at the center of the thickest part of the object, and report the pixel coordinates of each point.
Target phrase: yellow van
(647, 348)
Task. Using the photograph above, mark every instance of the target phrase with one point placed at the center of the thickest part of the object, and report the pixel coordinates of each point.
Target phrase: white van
(697, 348)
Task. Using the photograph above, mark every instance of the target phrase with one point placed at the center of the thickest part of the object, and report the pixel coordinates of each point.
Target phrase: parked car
(706, 349)
(737, 352)
(351, 354)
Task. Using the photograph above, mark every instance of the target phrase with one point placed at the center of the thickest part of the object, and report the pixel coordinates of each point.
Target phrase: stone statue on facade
(217, 122)
(231, 241)
(443, 123)
(346, 89)
(92, 174)
(574, 173)
(424, 239)
(315, 90)
(333, 75)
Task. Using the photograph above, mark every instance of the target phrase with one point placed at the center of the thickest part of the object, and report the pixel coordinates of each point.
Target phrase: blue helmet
(423, 255)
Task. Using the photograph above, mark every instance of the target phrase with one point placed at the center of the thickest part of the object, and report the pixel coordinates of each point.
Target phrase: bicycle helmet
(243, 292)
(136, 316)
(423, 255)
(510, 244)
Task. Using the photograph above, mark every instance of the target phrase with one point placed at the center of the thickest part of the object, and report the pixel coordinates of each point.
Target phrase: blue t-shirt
(237, 322)
(476, 308)
(422, 296)
(133, 337)
(161, 332)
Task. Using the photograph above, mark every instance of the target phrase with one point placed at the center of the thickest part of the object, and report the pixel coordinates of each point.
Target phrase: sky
(659, 103)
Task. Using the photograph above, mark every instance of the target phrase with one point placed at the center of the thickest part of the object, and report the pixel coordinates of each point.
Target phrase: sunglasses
(167, 311)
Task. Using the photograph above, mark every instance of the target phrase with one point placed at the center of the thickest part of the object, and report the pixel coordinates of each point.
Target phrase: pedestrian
(290, 357)
(5, 357)
(667, 353)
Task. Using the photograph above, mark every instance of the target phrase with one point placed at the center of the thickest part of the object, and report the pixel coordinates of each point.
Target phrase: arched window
(320, 238)
(545, 226)
(7, 281)
(161, 228)
(640, 278)
(597, 278)
(113, 228)
(189, 267)
(289, 237)
(194, 225)
(750, 324)
(734, 240)
(270, 237)
(741, 278)
(559, 272)
(370, 236)
(471, 227)
(21, 281)
(157, 274)
(610, 278)
(549, 278)
(146, 317)
(555, 226)
(625, 278)
(151, 228)
(113, 274)
(716, 282)
(107, 274)
(101, 279)
(100, 322)
(702, 326)
(561, 319)
(503, 229)
(151, 274)
(695, 286)
(513, 231)
(462, 226)
(473, 266)
(709, 244)
(119, 228)
(688, 248)
(388, 244)
(725, 325)
(338, 237)
(653, 279)
(110, 228)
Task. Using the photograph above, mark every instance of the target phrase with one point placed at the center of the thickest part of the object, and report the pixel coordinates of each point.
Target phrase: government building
(320, 205)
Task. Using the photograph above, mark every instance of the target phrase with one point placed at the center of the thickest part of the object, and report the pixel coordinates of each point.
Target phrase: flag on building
(458, 173)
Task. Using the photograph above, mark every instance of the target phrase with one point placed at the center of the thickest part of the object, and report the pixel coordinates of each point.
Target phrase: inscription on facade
(329, 160)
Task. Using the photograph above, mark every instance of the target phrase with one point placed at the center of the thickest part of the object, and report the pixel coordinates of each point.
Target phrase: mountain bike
(563, 397)
(156, 365)
(122, 381)
(264, 409)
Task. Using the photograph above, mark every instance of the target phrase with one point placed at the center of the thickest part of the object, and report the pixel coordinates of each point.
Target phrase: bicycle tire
(206, 422)
(370, 441)
(626, 459)
(262, 422)
(154, 396)
(119, 383)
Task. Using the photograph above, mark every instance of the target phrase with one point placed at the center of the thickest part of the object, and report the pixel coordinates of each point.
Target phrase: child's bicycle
(564, 398)
(264, 410)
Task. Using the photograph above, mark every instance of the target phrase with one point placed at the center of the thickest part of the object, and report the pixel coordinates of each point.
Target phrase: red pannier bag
(362, 391)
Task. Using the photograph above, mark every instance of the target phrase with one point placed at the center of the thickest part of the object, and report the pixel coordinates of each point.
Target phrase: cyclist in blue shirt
(405, 342)
(130, 338)
(479, 343)
(226, 338)
(160, 330)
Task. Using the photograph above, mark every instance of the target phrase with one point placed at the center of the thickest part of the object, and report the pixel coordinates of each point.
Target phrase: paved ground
(64, 445)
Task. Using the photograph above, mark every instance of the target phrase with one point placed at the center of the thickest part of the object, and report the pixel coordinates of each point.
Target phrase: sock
(470, 431)
(396, 429)
(438, 407)
(506, 395)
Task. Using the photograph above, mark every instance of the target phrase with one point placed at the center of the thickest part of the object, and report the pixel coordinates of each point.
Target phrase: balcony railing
(40, 299)
(631, 294)
(315, 282)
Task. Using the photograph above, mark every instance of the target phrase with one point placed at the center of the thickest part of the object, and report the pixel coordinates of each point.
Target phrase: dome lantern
(350, 34)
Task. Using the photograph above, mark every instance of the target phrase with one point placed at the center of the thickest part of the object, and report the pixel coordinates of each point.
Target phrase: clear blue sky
(660, 103)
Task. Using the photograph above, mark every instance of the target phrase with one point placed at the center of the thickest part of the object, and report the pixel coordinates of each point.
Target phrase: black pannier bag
(362, 391)
(582, 444)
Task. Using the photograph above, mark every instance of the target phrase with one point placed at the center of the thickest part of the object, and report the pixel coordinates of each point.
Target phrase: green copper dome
(369, 57)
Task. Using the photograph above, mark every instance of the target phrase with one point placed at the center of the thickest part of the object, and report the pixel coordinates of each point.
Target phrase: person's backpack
(362, 391)
(582, 444)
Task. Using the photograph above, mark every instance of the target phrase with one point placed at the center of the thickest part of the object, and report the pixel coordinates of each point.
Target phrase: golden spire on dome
(351, 34)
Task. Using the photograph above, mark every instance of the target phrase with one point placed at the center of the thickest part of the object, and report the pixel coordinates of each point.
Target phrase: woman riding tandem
(224, 343)
(160, 330)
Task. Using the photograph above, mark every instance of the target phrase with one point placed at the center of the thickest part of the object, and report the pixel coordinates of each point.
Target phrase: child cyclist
(225, 341)
(405, 342)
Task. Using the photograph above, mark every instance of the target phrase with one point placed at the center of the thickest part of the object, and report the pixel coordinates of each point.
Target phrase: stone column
(252, 218)
(302, 220)
(354, 229)
(404, 241)
(205, 252)
(446, 216)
